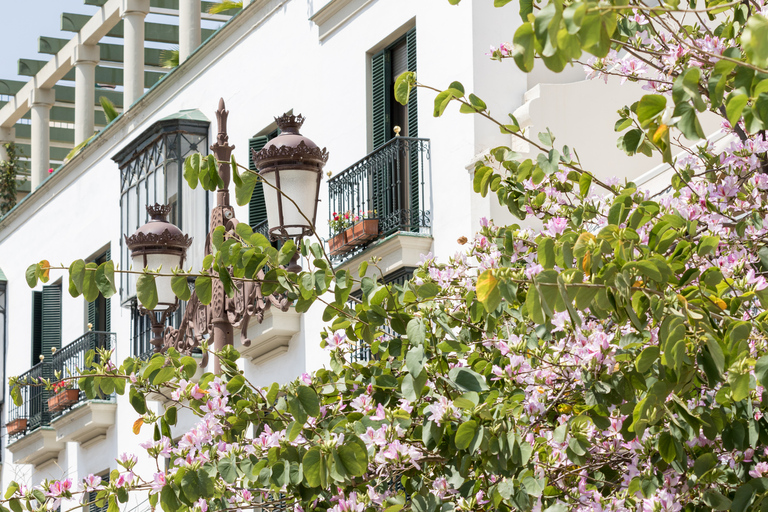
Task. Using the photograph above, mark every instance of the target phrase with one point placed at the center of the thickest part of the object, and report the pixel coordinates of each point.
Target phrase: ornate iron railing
(391, 184)
(68, 360)
(262, 228)
(33, 410)
(34, 397)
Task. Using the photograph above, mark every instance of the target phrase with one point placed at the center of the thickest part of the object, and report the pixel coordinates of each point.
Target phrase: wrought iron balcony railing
(34, 411)
(392, 185)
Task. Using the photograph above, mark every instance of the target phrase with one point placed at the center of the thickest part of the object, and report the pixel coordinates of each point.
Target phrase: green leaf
(110, 112)
(488, 291)
(650, 106)
(734, 105)
(76, 275)
(467, 379)
(105, 279)
(190, 485)
(228, 470)
(31, 275)
(192, 169)
(585, 182)
(90, 288)
(465, 433)
(704, 463)
(403, 85)
(312, 465)
(753, 39)
(244, 191)
(309, 401)
(146, 291)
(204, 289)
(354, 456)
(137, 400)
(708, 245)
(416, 331)
(524, 42)
(646, 359)
(667, 447)
(415, 360)
(546, 253)
(180, 287)
(441, 102)
(688, 122)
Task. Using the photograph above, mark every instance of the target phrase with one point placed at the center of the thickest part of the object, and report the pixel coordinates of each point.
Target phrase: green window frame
(257, 208)
(46, 322)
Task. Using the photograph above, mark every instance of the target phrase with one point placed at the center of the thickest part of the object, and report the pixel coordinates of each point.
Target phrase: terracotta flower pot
(63, 399)
(363, 231)
(16, 426)
(337, 243)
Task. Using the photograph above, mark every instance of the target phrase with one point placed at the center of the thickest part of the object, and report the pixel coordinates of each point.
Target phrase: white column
(6, 135)
(41, 101)
(133, 13)
(86, 58)
(189, 28)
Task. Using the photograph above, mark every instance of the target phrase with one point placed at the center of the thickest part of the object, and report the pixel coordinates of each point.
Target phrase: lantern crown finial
(290, 123)
(159, 212)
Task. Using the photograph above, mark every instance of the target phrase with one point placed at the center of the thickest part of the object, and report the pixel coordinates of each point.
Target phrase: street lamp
(159, 244)
(293, 165)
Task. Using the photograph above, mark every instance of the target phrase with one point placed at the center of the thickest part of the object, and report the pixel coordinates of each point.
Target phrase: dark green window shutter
(37, 326)
(413, 131)
(380, 80)
(93, 314)
(51, 324)
(257, 210)
(108, 302)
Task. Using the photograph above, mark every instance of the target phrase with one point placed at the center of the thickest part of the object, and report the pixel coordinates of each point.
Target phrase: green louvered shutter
(51, 324)
(380, 77)
(257, 210)
(93, 313)
(380, 120)
(37, 326)
(108, 302)
(413, 131)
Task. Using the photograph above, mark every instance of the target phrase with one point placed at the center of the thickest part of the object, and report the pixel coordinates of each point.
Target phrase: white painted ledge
(402, 249)
(37, 447)
(271, 337)
(87, 423)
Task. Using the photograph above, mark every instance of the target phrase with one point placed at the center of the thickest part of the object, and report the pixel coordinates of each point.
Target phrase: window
(93, 494)
(141, 327)
(151, 170)
(257, 209)
(46, 322)
(386, 66)
(99, 311)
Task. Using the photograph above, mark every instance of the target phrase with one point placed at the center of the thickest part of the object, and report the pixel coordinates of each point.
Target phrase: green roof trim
(2, 276)
(191, 114)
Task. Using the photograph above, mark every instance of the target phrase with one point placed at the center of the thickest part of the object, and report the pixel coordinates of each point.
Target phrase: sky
(24, 22)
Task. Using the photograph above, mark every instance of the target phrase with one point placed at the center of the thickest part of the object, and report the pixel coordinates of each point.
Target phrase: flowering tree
(613, 361)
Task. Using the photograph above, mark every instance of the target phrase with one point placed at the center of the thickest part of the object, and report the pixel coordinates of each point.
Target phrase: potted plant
(63, 397)
(338, 223)
(16, 426)
(365, 228)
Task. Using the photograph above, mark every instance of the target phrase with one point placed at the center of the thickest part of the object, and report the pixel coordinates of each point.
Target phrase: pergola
(47, 118)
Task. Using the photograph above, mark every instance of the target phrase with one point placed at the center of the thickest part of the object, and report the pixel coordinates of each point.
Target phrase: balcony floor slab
(37, 447)
(272, 336)
(402, 249)
(85, 423)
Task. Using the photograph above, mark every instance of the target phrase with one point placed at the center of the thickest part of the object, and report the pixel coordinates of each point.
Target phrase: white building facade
(333, 61)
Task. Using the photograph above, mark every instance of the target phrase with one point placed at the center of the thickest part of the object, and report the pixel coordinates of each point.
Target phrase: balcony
(389, 192)
(39, 427)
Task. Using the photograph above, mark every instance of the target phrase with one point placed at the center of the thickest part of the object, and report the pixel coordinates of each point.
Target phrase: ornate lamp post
(156, 244)
(291, 163)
